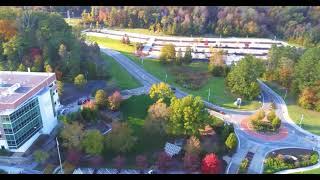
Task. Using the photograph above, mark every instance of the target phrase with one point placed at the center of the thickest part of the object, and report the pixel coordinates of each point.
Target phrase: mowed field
(218, 93)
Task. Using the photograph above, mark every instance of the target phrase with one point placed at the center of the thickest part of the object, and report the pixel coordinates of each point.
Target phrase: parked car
(83, 100)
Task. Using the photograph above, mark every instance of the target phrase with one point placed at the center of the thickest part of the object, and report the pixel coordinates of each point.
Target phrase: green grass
(112, 43)
(119, 75)
(134, 112)
(314, 171)
(219, 94)
(311, 120)
(72, 21)
(140, 31)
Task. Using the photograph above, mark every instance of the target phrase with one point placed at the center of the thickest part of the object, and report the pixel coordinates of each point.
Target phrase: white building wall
(46, 110)
(4, 143)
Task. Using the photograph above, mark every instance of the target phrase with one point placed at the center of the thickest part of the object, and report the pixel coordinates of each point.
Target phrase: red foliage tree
(73, 156)
(141, 162)
(163, 161)
(211, 164)
(96, 161)
(119, 162)
(191, 162)
(115, 100)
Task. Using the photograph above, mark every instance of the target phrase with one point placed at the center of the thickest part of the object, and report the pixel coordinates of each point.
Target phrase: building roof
(83, 171)
(107, 171)
(172, 149)
(23, 86)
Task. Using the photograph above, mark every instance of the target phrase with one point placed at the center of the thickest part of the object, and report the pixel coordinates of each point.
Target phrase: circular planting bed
(289, 158)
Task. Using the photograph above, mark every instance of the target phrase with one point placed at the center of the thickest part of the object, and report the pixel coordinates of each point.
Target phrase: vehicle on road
(83, 100)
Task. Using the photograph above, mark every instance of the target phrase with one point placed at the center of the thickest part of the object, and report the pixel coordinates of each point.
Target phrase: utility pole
(209, 95)
(61, 169)
(166, 78)
(285, 95)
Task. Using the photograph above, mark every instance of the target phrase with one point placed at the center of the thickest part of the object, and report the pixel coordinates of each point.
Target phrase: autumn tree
(141, 162)
(119, 162)
(161, 91)
(211, 164)
(60, 85)
(92, 142)
(72, 134)
(120, 139)
(114, 101)
(217, 65)
(192, 147)
(167, 53)
(80, 80)
(73, 156)
(100, 98)
(158, 114)
(163, 161)
(191, 162)
(179, 57)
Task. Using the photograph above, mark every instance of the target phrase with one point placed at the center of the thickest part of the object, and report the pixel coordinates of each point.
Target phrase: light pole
(166, 78)
(209, 95)
(285, 95)
(59, 155)
(300, 123)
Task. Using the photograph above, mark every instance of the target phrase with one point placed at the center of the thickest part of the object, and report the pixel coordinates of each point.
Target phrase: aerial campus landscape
(159, 90)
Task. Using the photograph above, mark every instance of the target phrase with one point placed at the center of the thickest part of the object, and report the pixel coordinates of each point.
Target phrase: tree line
(295, 24)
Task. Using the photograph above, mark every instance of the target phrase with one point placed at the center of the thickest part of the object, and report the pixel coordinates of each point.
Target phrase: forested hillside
(295, 24)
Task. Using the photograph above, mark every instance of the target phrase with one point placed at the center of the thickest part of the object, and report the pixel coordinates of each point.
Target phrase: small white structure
(172, 149)
(129, 171)
(83, 171)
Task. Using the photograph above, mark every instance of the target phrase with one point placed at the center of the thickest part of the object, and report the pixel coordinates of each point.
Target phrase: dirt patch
(188, 78)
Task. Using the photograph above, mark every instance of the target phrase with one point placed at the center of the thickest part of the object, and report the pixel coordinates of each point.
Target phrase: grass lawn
(314, 171)
(134, 112)
(218, 94)
(119, 75)
(311, 120)
(72, 21)
(140, 31)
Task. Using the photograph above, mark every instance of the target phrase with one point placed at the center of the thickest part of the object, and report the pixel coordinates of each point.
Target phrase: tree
(187, 58)
(158, 114)
(271, 115)
(179, 57)
(242, 79)
(276, 123)
(100, 98)
(191, 162)
(40, 156)
(62, 52)
(114, 101)
(161, 92)
(192, 146)
(120, 139)
(60, 85)
(96, 161)
(79, 80)
(216, 63)
(92, 142)
(72, 135)
(307, 98)
(119, 162)
(231, 141)
(211, 164)
(141, 162)
(163, 161)
(73, 156)
(21, 67)
(187, 116)
(167, 53)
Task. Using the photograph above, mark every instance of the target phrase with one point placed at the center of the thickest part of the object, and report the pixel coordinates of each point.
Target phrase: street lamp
(285, 95)
(59, 155)
(166, 77)
(300, 123)
(209, 95)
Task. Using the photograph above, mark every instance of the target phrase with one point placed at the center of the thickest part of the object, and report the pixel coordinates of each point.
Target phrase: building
(28, 108)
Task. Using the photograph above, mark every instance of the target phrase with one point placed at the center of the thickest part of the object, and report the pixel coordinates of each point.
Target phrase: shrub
(314, 158)
(231, 141)
(211, 164)
(271, 115)
(276, 123)
(49, 169)
(68, 168)
(243, 166)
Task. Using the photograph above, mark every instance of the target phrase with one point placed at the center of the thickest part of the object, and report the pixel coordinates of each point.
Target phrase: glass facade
(22, 124)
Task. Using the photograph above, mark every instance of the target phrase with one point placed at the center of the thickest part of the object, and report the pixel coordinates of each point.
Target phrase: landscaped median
(218, 93)
(290, 158)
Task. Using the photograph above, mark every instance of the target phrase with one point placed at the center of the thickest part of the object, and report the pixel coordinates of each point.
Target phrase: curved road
(297, 137)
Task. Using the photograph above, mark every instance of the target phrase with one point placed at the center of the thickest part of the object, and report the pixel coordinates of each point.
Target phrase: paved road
(296, 138)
